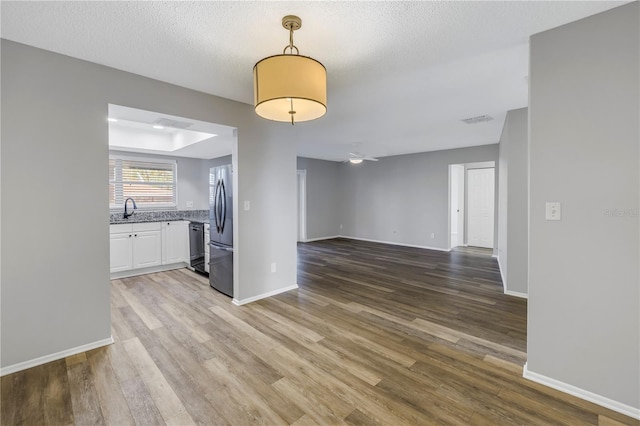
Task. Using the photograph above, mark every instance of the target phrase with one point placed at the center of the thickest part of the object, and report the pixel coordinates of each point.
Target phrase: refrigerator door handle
(223, 199)
(218, 247)
(215, 207)
(219, 206)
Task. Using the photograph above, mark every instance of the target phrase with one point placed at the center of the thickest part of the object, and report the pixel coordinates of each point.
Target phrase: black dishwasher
(196, 246)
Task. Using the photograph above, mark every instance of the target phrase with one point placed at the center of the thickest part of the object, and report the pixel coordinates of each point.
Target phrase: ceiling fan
(357, 158)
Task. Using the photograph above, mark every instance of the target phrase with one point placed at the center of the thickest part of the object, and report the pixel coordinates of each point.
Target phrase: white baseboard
(150, 270)
(504, 284)
(263, 295)
(619, 407)
(308, 240)
(395, 244)
(516, 294)
(54, 357)
(504, 281)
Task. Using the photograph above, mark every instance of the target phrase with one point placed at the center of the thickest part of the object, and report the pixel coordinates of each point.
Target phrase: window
(151, 183)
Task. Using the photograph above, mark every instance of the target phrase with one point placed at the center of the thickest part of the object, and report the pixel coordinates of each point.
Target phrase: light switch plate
(247, 205)
(189, 203)
(553, 211)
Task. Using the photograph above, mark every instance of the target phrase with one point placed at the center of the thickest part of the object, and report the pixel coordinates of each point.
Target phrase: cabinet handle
(168, 223)
(129, 235)
(135, 235)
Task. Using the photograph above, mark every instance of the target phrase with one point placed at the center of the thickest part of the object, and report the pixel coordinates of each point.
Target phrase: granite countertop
(201, 216)
(143, 220)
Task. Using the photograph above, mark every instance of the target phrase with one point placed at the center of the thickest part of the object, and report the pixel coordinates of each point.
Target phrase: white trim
(263, 295)
(625, 409)
(308, 240)
(149, 270)
(54, 357)
(395, 244)
(302, 204)
(516, 294)
(504, 281)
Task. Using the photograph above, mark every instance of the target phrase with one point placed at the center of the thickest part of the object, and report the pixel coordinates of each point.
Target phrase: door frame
(302, 205)
(461, 205)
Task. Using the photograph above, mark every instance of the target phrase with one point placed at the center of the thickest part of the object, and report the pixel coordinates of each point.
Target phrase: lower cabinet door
(147, 249)
(121, 252)
(176, 244)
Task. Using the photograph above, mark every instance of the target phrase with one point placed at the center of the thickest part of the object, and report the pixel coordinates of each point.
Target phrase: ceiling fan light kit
(290, 87)
(357, 158)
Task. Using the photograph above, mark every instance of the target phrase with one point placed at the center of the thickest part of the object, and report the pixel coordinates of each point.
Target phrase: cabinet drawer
(120, 228)
(173, 223)
(148, 226)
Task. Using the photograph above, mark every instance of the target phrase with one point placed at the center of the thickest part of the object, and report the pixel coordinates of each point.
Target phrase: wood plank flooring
(375, 335)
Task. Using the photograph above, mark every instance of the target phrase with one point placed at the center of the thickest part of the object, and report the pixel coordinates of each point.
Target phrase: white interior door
(480, 207)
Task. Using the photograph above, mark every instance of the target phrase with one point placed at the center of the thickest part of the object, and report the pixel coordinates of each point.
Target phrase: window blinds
(149, 183)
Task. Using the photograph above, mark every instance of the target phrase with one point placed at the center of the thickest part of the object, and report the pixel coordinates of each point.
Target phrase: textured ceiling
(401, 75)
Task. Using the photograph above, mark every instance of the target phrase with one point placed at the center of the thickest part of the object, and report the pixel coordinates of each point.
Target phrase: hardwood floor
(481, 251)
(375, 334)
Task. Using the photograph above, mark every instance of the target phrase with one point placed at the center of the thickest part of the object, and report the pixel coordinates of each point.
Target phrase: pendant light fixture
(290, 87)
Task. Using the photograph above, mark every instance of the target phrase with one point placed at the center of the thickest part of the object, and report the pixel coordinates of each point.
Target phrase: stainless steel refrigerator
(221, 229)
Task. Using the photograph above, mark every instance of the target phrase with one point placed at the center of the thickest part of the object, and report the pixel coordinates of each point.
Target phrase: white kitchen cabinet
(121, 251)
(175, 242)
(147, 249)
(135, 246)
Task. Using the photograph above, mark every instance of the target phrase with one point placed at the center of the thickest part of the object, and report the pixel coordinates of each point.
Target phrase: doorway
(472, 204)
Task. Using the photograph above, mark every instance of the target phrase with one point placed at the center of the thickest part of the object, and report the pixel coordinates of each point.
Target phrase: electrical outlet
(273, 267)
(247, 205)
(189, 203)
(433, 235)
(553, 211)
(340, 226)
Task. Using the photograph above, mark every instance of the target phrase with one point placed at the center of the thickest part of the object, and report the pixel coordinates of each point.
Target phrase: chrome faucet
(126, 214)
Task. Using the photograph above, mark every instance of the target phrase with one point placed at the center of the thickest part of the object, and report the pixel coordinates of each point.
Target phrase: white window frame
(143, 206)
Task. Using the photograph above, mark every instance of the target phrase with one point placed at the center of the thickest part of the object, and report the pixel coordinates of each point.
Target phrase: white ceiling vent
(478, 119)
(165, 122)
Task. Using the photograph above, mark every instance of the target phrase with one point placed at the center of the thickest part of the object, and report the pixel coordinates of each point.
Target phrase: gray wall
(193, 182)
(584, 299)
(58, 298)
(219, 161)
(405, 198)
(513, 227)
(323, 195)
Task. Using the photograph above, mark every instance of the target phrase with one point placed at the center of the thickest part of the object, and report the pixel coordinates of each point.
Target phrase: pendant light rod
(291, 23)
